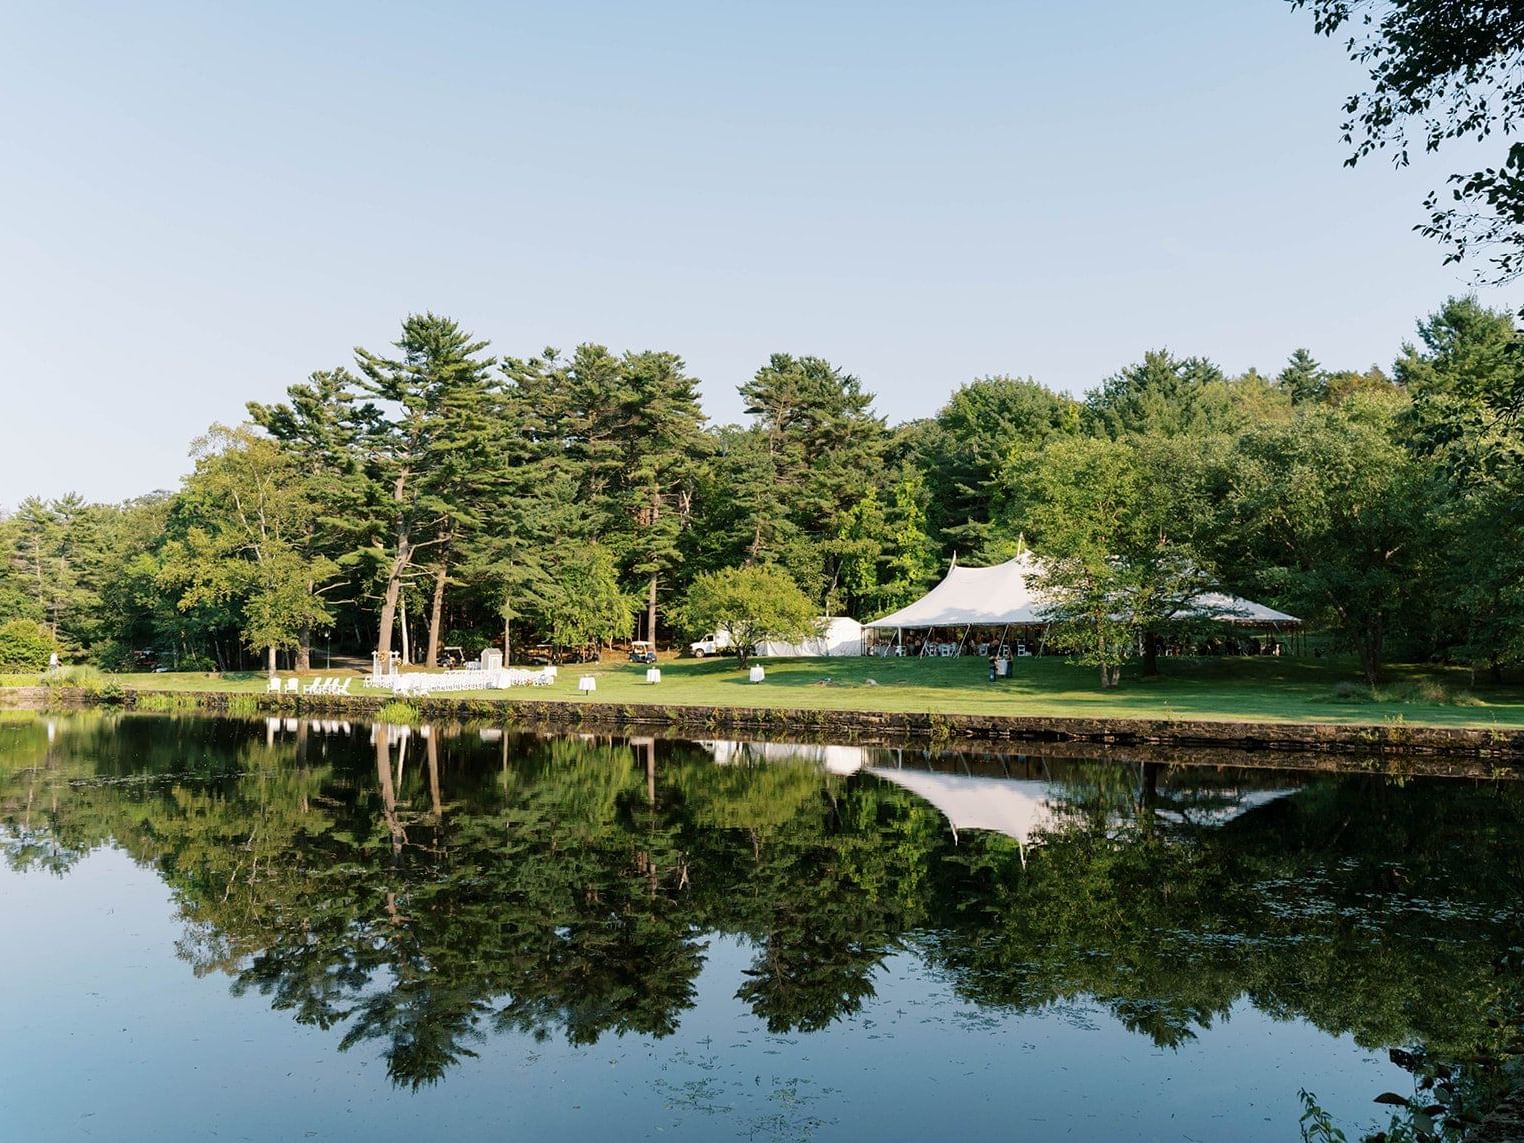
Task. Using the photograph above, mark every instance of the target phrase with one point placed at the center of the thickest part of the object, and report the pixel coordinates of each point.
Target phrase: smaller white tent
(839, 636)
(835, 759)
(1235, 609)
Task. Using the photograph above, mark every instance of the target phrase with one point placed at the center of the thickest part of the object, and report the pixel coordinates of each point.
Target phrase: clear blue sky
(203, 202)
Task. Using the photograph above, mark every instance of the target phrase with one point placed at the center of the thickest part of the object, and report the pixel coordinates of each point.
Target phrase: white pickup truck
(711, 645)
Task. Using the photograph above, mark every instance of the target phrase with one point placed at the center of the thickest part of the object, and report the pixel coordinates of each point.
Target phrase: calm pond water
(283, 930)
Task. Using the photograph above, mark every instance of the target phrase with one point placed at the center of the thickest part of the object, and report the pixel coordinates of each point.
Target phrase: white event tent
(1003, 596)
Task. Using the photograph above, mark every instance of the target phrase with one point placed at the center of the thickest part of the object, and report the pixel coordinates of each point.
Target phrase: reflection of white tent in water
(836, 759)
(1019, 808)
(1016, 807)
(1219, 807)
(1022, 807)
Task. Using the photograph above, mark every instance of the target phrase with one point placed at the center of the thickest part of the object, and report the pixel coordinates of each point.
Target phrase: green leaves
(1439, 71)
(751, 604)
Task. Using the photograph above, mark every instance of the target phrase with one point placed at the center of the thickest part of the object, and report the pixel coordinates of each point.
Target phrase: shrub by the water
(400, 713)
(25, 645)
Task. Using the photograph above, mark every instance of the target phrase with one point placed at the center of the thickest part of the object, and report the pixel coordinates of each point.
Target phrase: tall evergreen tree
(246, 545)
(823, 447)
(1303, 378)
(664, 446)
(1160, 394)
(432, 406)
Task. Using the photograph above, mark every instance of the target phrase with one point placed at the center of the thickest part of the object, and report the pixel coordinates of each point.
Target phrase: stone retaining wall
(857, 725)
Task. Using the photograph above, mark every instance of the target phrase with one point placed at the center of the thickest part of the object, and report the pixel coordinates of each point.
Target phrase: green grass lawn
(1284, 689)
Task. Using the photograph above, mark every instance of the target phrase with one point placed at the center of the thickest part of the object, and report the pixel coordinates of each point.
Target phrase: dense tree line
(439, 495)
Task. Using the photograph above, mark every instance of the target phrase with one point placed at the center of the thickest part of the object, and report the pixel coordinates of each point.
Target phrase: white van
(711, 645)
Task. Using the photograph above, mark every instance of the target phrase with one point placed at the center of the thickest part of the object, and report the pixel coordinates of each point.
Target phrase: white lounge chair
(274, 687)
(293, 685)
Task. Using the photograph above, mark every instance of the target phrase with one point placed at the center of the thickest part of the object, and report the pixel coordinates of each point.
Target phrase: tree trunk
(434, 799)
(651, 612)
(650, 752)
(388, 791)
(507, 640)
(1370, 641)
(436, 612)
(400, 563)
(272, 659)
(407, 651)
(304, 649)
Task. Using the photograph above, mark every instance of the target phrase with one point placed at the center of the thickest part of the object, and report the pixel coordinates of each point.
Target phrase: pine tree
(824, 447)
(432, 410)
(1303, 378)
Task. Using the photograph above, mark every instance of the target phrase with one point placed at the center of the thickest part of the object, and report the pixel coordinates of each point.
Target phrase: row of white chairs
(318, 686)
(428, 684)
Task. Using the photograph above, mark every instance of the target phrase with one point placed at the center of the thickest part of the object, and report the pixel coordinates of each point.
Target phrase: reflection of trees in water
(420, 890)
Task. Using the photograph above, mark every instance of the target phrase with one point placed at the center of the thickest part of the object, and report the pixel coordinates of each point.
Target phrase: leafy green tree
(59, 551)
(133, 610)
(735, 512)
(750, 604)
(1465, 377)
(1344, 384)
(1441, 71)
(1084, 494)
(248, 544)
(1115, 523)
(910, 562)
(582, 602)
(25, 645)
(1330, 514)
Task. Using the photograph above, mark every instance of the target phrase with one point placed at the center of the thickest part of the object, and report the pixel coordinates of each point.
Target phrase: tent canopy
(978, 597)
(1002, 596)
